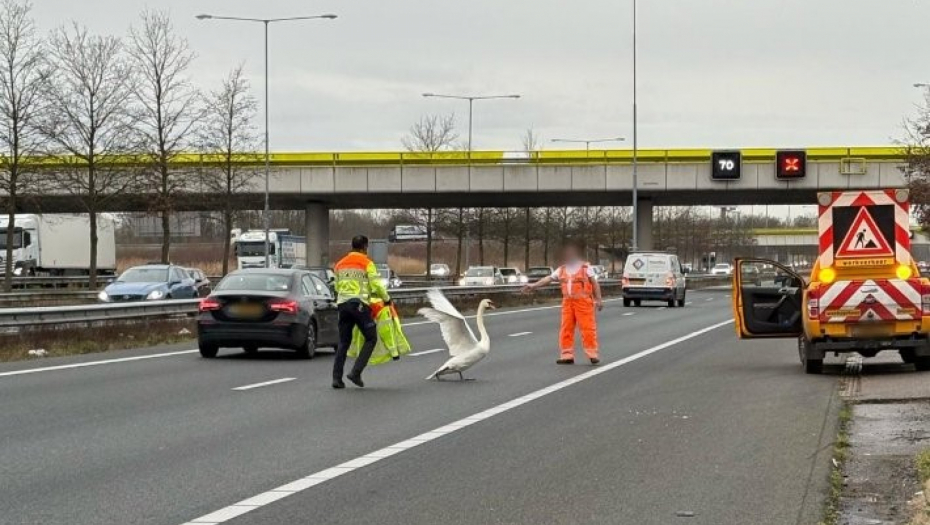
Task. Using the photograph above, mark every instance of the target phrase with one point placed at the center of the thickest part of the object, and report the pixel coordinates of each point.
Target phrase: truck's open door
(767, 299)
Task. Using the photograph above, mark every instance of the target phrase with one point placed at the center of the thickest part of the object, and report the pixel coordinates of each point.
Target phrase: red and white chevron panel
(864, 301)
(897, 197)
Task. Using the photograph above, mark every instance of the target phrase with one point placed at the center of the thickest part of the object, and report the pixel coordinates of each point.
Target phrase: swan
(464, 349)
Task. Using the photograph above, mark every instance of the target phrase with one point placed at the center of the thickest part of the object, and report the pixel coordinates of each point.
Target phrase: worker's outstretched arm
(374, 283)
(538, 284)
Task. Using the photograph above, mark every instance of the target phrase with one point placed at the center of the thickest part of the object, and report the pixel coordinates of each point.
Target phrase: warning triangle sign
(864, 238)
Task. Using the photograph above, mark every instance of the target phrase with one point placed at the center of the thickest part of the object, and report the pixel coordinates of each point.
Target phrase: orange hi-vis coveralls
(577, 309)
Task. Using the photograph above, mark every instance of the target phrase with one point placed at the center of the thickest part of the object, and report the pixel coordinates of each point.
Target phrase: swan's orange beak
(491, 305)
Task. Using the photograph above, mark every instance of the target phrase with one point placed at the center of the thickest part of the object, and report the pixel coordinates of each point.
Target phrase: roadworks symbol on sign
(864, 238)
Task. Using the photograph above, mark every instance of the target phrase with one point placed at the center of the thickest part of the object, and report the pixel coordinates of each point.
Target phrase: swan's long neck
(481, 329)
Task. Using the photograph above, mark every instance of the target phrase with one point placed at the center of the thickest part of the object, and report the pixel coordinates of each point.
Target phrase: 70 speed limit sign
(726, 165)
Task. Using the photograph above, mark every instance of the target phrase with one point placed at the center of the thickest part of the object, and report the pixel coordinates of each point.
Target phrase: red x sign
(791, 164)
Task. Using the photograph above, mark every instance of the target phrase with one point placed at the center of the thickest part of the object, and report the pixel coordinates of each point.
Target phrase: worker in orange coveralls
(581, 294)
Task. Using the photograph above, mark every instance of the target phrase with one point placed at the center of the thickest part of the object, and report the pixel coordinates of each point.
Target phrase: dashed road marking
(519, 334)
(427, 352)
(629, 313)
(265, 383)
(256, 502)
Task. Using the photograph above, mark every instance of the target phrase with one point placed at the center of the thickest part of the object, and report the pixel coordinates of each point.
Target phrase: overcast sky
(712, 73)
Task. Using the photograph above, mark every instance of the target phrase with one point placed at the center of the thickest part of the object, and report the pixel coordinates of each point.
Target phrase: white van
(653, 276)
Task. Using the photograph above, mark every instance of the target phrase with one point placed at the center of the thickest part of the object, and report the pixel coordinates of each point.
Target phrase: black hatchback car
(256, 308)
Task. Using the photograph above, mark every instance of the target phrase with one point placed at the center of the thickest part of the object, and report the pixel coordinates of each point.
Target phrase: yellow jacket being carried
(358, 278)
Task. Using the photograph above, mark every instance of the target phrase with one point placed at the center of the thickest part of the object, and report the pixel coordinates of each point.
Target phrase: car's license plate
(637, 281)
(870, 330)
(246, 310)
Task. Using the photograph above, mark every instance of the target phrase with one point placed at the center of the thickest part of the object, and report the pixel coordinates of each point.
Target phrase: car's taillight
(670, 280)
(813, 303)
(209, 304)
(625, 280)
(288, 307)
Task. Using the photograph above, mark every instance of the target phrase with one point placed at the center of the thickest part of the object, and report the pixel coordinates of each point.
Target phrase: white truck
(57, 245)
(284, 250)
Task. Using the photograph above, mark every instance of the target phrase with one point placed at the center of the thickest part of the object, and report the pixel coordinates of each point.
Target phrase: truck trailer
(58, 245)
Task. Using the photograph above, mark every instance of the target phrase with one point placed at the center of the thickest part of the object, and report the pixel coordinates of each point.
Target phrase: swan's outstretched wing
(455, 331)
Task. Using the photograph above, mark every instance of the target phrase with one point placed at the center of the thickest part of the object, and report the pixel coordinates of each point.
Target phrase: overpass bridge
(318, 182)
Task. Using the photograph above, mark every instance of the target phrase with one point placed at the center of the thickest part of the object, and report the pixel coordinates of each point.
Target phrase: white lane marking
(689, 302)
(518, 334)
(94, 363)
(661, 308)
(629, 313)
(266, 383)
(183, 352)
(302, 484)
(709, 299)
(425, 352)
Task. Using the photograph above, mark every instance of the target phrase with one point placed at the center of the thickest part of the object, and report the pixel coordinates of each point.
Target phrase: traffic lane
(143, 429)
(433, 406)
(138, 355)
(710, 431)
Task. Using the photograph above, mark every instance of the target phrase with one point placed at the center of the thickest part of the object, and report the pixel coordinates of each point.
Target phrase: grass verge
(831, 510)
(920, 505)
(102, 337)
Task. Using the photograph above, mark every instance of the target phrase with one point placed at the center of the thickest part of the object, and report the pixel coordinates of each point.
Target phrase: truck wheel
(637, 302)
(907, 356)
(627, 302)
(671, 303)
(208, 351)
(250, 349)
(681, 302)
(811, 366)
(922, 363)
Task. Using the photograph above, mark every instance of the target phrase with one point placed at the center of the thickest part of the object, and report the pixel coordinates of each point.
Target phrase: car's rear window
(255, 282)
(647, 263)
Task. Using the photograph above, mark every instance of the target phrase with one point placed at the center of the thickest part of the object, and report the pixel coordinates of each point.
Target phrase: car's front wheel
(208, 351)
(308, 349)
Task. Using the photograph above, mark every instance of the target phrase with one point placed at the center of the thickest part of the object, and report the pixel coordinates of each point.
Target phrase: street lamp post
(635, 144)
(587, 142)
(266, 215)
(471, 103)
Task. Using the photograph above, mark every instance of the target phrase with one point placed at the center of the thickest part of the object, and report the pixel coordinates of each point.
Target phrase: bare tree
(916, 146)
(432, 133)
(531, 141)
(167, 105)
(23, 75)
(227, 136)
(89, 121)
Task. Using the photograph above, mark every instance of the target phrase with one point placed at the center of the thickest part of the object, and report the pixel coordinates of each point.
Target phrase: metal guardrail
(58, 282)
(47, 315)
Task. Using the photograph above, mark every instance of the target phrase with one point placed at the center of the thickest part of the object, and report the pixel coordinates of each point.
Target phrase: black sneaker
(357, 379)
(565, 361)
(595, 360)
(337, 384)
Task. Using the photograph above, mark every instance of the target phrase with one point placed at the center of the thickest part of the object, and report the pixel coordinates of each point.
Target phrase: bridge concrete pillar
(317, 219)
(644, 224)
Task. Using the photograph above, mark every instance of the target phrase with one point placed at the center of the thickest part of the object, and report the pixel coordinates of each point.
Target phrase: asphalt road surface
(680, 424)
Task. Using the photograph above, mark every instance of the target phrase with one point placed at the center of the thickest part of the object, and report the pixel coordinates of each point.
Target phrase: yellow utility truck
(864, 294)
